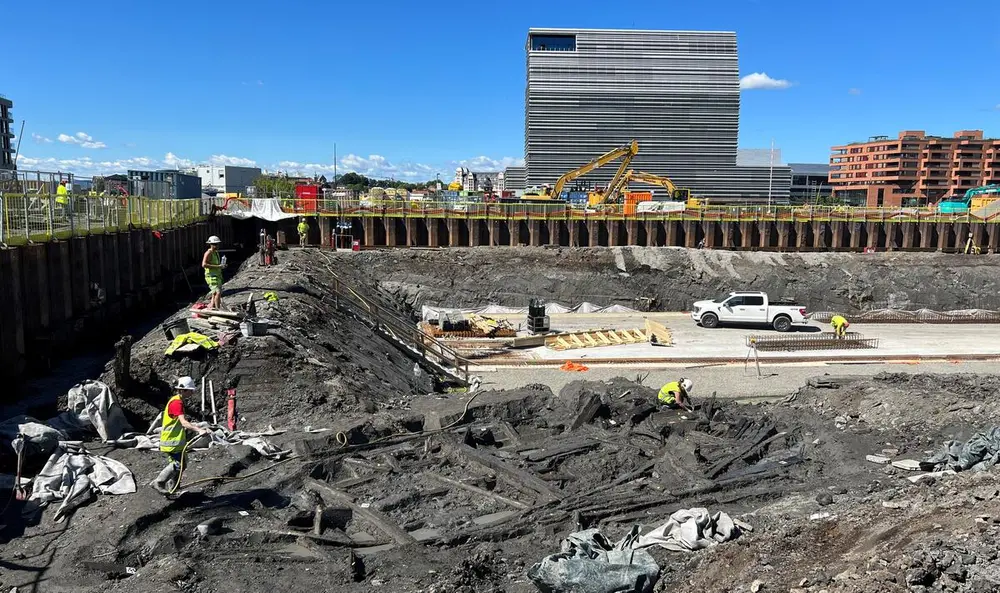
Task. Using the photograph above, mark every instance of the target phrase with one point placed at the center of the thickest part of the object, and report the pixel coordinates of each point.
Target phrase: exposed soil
(453, 492)
(670, 279)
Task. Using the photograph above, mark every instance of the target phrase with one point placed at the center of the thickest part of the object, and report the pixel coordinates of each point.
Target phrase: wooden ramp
(654, 332)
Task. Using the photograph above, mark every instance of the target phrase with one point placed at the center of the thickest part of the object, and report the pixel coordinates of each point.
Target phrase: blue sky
(409, 89)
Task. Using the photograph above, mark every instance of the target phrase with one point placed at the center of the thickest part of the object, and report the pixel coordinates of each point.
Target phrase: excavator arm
(628, 151)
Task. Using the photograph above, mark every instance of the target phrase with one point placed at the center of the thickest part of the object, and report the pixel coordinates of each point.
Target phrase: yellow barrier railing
(40, 218)
(665, 212)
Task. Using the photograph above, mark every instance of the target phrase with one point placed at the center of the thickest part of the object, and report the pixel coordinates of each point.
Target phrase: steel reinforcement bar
(805, 342)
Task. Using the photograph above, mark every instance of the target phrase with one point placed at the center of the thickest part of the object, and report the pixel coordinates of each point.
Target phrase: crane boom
(628, 151)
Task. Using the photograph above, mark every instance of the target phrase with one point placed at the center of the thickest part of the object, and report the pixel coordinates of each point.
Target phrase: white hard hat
(214, 240)
(687, 385)
(185, 383)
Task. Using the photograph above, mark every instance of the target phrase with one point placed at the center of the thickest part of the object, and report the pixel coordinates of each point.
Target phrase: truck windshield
(722, 298)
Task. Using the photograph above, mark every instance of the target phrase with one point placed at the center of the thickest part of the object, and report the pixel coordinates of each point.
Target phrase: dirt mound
(315, 364)
(670, 279)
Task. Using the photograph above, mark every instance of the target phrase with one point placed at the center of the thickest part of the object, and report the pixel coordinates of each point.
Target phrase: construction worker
(213, 272)
(303, 230)
(971, 248)
(676, 394)
(173, 437)
(62, 198)
(840, 326)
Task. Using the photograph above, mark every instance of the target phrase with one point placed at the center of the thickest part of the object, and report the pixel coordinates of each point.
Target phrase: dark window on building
(881, 197)
(553, 42)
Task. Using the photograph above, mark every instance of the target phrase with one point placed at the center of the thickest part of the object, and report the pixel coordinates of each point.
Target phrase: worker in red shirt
(173, 437)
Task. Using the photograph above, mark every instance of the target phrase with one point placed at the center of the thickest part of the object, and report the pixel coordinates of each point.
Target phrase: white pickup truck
(749, 308)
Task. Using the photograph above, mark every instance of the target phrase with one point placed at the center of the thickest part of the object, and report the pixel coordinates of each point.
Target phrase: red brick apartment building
(914, 169)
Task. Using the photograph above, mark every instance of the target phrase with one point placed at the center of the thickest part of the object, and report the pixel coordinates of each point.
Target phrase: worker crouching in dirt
(840, 326)
(173, 437)
(676, 394)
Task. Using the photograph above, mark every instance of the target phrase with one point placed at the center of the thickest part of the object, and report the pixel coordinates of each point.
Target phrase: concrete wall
(65, 294)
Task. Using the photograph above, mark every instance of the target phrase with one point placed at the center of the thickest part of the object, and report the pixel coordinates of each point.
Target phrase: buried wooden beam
(382, 522)
(517, 476)
(476, 490)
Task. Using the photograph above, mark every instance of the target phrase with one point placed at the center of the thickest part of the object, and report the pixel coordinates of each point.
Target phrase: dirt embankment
(673, 278)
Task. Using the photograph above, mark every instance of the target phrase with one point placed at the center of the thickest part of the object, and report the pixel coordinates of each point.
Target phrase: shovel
(20, 493)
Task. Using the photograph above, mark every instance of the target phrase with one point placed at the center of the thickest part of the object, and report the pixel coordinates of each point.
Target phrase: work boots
(165, 481)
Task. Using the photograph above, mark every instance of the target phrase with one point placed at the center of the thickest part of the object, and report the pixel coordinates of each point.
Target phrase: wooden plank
(660, 332)
(614, 337)
(575, 339)
(587, 411)
(476, 490)
(384, 523)
(515, 475)
(562, 450)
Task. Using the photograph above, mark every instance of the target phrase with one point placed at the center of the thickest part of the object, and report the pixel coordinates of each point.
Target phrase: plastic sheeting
(688, 530)
(40, 440)
(431, 313)
(92, 407)
(74, 476)
(264, 208)
(589, 563)
(219, 437)
(979, 453)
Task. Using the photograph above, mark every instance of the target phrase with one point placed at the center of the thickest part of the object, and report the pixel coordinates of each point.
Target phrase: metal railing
(564, 211)
(39, 218)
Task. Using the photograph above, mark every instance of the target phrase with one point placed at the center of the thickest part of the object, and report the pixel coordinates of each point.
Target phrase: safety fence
(40, 218)
(667, 211)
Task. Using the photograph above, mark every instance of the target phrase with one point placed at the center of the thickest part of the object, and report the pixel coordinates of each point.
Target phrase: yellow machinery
(454, 186)
(676, 194)
(627, 153)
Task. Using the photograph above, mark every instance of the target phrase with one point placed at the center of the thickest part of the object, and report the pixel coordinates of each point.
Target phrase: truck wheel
(710, 320)
(782, 323)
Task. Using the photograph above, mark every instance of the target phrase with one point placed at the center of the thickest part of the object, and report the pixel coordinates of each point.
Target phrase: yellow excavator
(548, 194)
(676, 194)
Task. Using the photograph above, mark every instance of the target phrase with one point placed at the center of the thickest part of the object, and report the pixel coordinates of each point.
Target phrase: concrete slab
(692, 342)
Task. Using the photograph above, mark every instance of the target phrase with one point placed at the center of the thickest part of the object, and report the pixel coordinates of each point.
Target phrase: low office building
(165, 184)
(225, 179)
(810, 183)
(913, 169)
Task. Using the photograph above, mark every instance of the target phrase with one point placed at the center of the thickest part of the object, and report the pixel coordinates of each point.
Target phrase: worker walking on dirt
(840, 326)
(676, 394)
(173, 437)
(303, 230)
(213, 271)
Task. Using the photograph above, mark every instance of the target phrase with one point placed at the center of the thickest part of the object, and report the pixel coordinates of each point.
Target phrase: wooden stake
(211, 392)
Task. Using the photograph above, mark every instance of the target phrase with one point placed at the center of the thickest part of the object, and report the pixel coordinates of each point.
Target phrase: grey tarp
(72, 475)
(219, 437)
(92, 407)
(979, 453)
(691, 529)
(588, 563)
(40, 440)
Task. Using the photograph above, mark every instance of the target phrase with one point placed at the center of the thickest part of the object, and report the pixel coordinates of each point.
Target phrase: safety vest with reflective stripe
(303, 228)
(666, 395)
(62, 195)
(214, 259)
(838, 321)
(172, 437)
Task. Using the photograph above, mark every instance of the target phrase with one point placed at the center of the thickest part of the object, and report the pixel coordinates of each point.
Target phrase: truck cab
(748, 308)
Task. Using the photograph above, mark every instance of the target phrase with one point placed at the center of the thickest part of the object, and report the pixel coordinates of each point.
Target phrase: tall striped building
(676, 92)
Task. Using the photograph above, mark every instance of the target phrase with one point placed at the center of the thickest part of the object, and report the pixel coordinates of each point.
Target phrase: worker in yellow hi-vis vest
(62, 198)
(840, 325)
(173, 436)
(676, 394)
(303, 230)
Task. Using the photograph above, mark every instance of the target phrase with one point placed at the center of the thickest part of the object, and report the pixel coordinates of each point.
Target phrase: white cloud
(81, 139)
(853, 91)
(375, 165)
(41, 139)
(173, 161)
(760, 80)
(232, 161)
(485, 163)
